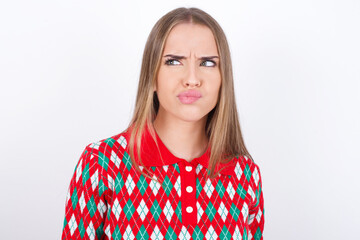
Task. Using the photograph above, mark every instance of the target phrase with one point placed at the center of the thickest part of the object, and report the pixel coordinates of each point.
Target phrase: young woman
(181, 169)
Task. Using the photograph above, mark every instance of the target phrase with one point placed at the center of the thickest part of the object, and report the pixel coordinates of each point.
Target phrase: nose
(192, 77)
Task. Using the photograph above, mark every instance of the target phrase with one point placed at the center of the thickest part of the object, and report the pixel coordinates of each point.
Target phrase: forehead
(190, 38)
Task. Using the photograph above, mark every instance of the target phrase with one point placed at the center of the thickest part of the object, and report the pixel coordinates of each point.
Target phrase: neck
(185, 140)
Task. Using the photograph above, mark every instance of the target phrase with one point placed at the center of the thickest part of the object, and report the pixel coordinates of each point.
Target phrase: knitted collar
(150, 155)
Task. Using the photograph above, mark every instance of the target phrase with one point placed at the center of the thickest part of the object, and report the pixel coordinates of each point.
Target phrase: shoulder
(246, 167)
(107, 145)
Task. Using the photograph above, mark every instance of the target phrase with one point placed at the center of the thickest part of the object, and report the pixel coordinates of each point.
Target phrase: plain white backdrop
(69, 72)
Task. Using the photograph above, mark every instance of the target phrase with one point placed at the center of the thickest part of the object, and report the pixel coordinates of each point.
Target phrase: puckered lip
(190, 93)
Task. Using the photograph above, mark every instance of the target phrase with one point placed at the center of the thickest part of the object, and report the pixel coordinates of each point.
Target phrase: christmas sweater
(108, 199)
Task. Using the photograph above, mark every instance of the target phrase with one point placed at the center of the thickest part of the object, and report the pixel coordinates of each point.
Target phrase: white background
(69, 72)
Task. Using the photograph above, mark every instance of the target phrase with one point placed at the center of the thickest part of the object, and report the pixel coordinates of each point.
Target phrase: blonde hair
(222, 125)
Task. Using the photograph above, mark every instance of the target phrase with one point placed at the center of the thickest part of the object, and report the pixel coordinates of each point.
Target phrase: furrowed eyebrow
(182, 57)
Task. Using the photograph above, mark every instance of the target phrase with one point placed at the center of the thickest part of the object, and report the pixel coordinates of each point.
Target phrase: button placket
(188, 193)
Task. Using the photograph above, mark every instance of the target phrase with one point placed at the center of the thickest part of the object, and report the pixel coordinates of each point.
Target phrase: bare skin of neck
(186, 140)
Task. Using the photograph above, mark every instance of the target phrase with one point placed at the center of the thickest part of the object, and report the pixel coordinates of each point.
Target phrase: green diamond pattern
(103, 161)
(142, 185)
(65, 222)
(197, 234)
(81, 228)
(110, 142)
(102, 187)
(119, 183)
(245, 236)
(100, 231)
(170, 234)
(225, 234)
(178, 211)
(220, 189)
(199, 188)
(234, 211)
(176, 166)
(85, 174)
(247, 172)
(91, 206)
(241, 191)
(167, 185)
(129, 209)
(155, 210)
(127, 161)
(257, 235)
(108, 213)
(116, 234)
(210, 211)
(74, 199)
(142, 234)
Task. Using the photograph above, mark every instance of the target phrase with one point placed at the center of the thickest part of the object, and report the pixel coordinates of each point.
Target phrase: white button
(189, 189)
(188, 168)
(189, 209)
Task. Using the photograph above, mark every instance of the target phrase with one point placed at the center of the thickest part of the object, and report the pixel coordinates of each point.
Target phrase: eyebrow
(182, 57)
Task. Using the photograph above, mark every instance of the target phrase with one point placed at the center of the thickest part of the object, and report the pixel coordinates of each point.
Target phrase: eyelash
(167, 61)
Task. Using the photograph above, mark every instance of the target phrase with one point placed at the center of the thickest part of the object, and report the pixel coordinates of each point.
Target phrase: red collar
(150, 155)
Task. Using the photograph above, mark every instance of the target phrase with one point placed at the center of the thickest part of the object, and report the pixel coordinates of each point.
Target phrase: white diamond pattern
(95, 145)
(223, 211)
(116, 209)
(177, 186)
(142, 210)
(78, 171)
(211, 234)
(68, 195)
(256, 176)
(184, 234)
(250, 236)
(128, 234)
(115, 159)
(200, 211)
(208, 188)
(101, 207)
(245, 211)
(230, 190)
(238, 171)
(258, 216)
(122, 142)
(107, 232)
(154, 185)
(251, 192)
(111, 183)
(251, 218)
(82, 202)
(94, 180)
(72, 224)
(156, 235)
(198, 168)
(130, 184)
(168, 211)
(166, 168)
(237, 234)
(91, 231)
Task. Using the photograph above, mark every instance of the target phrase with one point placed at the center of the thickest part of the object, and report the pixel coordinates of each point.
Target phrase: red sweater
(108, 199)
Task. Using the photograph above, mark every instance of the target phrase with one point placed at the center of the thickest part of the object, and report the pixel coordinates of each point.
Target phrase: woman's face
(189, 78)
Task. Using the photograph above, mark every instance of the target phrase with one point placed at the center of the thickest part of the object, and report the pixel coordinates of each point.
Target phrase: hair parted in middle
(222, 125)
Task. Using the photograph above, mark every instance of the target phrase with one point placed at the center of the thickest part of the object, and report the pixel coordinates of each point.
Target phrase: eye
(172, 62)
(208, 63)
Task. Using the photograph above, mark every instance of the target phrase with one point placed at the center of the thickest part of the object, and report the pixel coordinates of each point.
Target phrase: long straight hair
(222, 125)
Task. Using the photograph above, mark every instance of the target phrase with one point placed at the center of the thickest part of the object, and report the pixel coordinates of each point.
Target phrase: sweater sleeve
(85, 206)
(256, 212)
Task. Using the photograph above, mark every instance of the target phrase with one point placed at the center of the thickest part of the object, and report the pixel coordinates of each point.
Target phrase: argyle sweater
(108, 199)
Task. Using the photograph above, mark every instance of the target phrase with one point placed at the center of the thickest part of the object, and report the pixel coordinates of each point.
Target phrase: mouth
(189, 96)
(188, 100)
